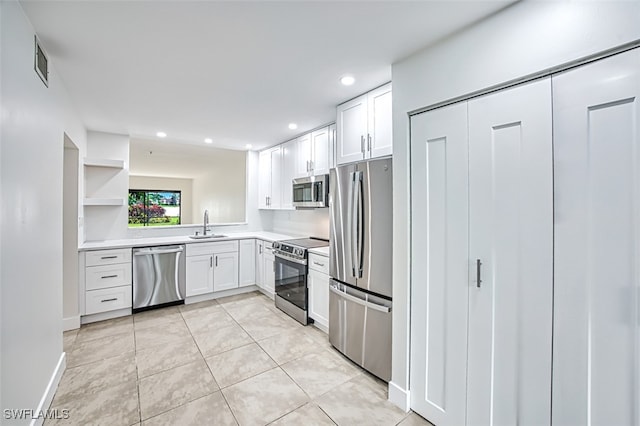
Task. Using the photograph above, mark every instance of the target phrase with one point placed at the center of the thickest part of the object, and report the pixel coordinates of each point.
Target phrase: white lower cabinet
(318, 290)
(260, 263)
(225, 271)
(265, 269)
(211, 267)
(269, 277)
(482, 179)
(107, 281)
(107, 299)
(199, 275)
(247, 263)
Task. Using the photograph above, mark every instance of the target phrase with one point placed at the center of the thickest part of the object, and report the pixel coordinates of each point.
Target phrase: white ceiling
(237, 72)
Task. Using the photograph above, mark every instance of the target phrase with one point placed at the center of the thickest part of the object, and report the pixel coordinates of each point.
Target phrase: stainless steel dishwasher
(159, 276)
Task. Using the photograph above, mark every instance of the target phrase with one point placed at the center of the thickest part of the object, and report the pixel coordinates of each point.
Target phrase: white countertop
(322, 251)
(160, 241)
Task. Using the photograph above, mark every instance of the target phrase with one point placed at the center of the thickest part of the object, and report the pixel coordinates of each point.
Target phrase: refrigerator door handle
(357, 300)
(360, 210)
(353, 202)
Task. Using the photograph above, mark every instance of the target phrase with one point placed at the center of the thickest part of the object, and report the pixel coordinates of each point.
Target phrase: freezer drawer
(360, 328)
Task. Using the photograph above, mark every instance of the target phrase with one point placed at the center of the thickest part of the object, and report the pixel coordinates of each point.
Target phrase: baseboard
(71, 323)
(267, 293)
(399, 397)
(105, 315)
(50, 391)
(321, 327)
(219, 294)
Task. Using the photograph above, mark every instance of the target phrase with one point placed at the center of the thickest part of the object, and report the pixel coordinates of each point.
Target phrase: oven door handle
(290, 259)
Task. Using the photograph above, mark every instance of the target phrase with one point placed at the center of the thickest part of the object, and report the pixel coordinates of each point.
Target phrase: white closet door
(439, 193)
(511, 233)
(596, 372)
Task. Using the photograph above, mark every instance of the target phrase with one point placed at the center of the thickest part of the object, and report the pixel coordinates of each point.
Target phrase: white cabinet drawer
(107, 257)
(107, 276)
(108, 299)
(198, 249)
(319, 263)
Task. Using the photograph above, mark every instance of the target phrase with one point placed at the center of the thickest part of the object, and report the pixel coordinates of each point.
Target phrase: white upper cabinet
(364, 126)
(379, 122)
(303, 157)
(308, 155)
(264, 184)
(270, 185)
(351, 126)
(289, 162)
(313, 153)
(320, 150)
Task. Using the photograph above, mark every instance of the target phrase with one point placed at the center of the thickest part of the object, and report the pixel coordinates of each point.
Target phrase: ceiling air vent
(41, 63)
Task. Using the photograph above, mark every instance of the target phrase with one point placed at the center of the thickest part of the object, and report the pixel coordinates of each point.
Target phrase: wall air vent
(41, 63)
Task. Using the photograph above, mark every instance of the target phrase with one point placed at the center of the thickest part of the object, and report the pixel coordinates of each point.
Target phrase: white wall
(524, 39)
(34, 121)
(70, 306)
(221, 191)
(256, 220)
(106, 222)
(160, 183)
(307, 223)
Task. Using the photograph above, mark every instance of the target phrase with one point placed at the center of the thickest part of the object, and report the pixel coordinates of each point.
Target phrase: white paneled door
(439, 235)
(596, 373)
(511, 257)
(482, 259)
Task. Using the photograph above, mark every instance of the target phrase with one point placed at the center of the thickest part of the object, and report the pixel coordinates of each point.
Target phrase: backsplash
(312, 223)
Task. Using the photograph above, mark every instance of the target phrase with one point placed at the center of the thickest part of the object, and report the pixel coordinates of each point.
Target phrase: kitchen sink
(206, 237)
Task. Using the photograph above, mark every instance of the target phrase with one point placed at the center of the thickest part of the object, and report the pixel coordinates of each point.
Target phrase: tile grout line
(135, 361)
(209, 368)
(163, 371)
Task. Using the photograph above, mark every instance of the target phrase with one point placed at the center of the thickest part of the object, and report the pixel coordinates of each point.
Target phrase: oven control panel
(289, 250)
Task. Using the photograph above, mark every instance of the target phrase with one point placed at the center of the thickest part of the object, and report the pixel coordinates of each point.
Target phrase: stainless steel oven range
(291, 275)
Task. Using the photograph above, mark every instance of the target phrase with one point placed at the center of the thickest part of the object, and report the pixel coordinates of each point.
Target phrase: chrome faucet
(206, 222)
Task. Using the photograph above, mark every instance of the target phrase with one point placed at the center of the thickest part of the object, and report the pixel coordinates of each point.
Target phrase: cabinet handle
(260, 249)
(310, 166)
(369, 142)
(362, 144)
(109, 276)
(478, 272)
(211, 262)
(216, 261)
(109, 257)
(318, 263)
(109, 300)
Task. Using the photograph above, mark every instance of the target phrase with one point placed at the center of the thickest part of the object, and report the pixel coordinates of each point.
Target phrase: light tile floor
(237, 360)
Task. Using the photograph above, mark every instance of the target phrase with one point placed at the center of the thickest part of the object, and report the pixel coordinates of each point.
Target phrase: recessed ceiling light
(293, 126)
(208, 140)
(249, 146)
(347, 80)
(161, 134)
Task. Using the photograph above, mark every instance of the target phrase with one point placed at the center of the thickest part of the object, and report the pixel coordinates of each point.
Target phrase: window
(154, 208)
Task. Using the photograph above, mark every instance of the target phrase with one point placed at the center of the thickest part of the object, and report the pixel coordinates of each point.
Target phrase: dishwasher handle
(148, 252)
(359, 301)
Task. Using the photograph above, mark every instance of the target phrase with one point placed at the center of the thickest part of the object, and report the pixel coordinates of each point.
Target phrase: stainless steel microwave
(311, 192)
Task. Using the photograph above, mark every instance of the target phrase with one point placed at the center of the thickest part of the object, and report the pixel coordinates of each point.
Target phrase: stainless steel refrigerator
(360, 204)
